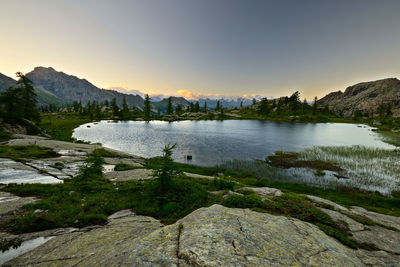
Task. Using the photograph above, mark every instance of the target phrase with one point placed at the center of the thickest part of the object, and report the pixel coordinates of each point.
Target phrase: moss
(101, 152)
(23, 152)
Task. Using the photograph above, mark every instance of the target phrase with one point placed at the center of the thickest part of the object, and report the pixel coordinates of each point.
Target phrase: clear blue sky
(271, 48)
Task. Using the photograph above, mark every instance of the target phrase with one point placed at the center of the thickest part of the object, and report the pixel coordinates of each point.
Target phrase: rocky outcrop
(263, 191)
(366, 97)
(93, 246)
(214, 236)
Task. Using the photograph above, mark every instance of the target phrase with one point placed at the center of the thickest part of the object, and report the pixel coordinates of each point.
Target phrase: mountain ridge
(366, 97)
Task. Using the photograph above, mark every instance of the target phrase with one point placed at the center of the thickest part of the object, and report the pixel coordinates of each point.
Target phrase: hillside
(44, 97)
(365, 97)
(71, 88)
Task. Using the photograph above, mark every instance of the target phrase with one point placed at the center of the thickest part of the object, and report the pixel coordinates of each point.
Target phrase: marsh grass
(357, 167)
(370, 169)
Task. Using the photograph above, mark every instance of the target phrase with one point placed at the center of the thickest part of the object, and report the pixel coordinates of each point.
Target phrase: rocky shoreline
(210, 236)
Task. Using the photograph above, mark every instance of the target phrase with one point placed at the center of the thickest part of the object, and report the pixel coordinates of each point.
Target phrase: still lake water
(214, 142)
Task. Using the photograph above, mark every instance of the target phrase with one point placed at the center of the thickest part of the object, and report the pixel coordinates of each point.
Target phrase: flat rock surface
(377, 217)
(135, 174)
(325, 201)
(97, 246)
(219, 236)
(264, 191)
(194, 175)
(115, 161)
(383, 238)
(10, 202)
(337, 217)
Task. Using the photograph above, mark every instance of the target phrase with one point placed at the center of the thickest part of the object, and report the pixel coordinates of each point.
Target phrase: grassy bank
(61, 125)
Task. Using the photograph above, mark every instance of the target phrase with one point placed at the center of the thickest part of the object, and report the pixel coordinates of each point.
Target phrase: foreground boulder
(214, 236)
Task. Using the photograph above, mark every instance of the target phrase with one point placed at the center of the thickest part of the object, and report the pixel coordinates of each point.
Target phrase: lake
(214, 142)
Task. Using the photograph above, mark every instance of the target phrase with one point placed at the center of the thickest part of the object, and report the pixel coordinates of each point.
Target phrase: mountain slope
(6, 82)
(71, 88)
(44, 97)
(366, 97)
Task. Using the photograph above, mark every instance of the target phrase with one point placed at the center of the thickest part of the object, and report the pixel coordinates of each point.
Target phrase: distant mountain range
(365, 97)
(59, 88)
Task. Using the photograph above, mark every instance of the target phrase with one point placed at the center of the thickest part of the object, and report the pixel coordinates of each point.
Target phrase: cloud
(194, 96)
(123, 88)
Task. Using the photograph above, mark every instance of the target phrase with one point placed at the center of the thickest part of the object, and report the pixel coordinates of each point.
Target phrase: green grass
(343, 196)
(101, 152)
(390, 137)
(61, 126)
(125, 167)
(26, 152)
(4, 136)
(155, 163)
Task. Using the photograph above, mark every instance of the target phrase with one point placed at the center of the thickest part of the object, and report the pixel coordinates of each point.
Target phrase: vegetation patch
(61, 126)
(7, 243)
(101, 152)
(23, 152)
(290, 160)
(125, 167)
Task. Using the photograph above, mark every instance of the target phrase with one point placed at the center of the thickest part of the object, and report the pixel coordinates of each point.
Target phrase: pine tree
(114, 107)
(169, 106)
(166, 172)
(315, 106)
(218, 106)
(125, 109)
(205, 107)
(147, 107)
(197, 107)
(31, 111)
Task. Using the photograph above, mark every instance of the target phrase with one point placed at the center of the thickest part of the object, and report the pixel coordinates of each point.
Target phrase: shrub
(223, 183)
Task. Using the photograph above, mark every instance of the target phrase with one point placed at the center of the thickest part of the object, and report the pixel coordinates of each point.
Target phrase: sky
(205, 47)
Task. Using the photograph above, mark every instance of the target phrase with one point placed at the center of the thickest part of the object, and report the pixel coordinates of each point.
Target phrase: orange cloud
(188, 95)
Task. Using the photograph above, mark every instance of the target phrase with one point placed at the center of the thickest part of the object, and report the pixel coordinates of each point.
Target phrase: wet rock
(135, 174)
(8, 176)
(264, 191)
